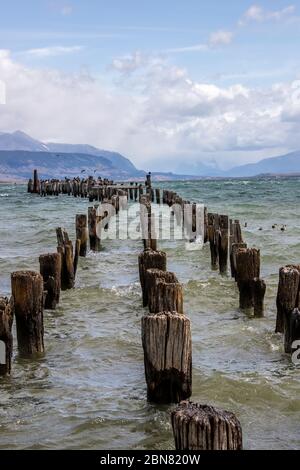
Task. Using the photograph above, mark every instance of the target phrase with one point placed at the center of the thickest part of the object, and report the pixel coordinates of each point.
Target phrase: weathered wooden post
(150, 259)
(36, 182)
(6, 337)
(252, 289)
(50, 269)
(27, 292)
(233, 251)
(212, 233)
(30, 186)
(223, 237)
(259, 290)
(248, 269)
(167, 345)
(65, 248)
(82, 233)
(235, 242)
(203, 427)
(287, 300)
(92, 222)
(164, 292)
(157, 193)
(294, 330)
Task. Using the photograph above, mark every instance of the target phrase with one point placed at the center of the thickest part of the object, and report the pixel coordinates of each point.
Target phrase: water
(88, 391)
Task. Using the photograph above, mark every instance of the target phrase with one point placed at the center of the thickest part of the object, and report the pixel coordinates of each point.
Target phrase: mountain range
(20, 154)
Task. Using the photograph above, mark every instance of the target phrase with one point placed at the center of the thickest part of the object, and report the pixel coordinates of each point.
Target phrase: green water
(88, 391)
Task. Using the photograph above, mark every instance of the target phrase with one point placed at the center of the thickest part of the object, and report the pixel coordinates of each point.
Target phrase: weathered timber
(36, 183)
(287, 300)
(65, 248)
(259, 290)
(157, 194)
(150, 259)
(6, 337)
(82, 233)
(167, 345)
(234, 249)
(164, 292)
(50, 269)
(247, 269)
(92, 224)
(203, 427)
(76, 256)
(212, 232)
(27, 292)
(223, 238)
(294, 331)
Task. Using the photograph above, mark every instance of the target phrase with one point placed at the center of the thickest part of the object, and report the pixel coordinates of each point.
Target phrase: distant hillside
(20, 141)
(18, 157)
(118, 161)
(20, 164)
(285, 164)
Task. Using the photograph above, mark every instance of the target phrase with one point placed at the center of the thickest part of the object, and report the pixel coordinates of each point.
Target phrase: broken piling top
(203, 427)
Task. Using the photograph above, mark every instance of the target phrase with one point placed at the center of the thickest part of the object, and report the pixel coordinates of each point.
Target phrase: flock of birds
(283, 228)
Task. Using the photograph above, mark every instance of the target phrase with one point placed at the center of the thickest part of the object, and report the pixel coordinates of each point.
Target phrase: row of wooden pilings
(94, 189)
(167, 345)
(32, 292)
(166, 330)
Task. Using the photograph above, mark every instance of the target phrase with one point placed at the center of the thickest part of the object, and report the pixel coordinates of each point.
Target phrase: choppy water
(88, 391)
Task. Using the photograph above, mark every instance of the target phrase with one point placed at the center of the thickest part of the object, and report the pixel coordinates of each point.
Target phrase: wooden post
(30, 186)
(167, 345)
(248, 269)
(27, 292)
(76, 256)
(149, 259)
(294, 329)
(259, 290)
(235, 242)
(6, 337)
(203, 427)
(50, 269)
(287, 300)
(164, 292)
(92, 222)
(223, 237)
(65, 248)
(157, 193)
(82, 233)
(36, 182)
(233, 251)
(212, 233)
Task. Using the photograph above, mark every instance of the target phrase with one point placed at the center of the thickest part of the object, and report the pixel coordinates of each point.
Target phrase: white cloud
(258, 14)
(129, 63)
(158, 115)
(52, 51)
(193, 48)
(216, 39)
(219, 38)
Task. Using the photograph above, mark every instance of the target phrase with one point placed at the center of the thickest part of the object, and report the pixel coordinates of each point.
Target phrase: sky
(172, 84)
